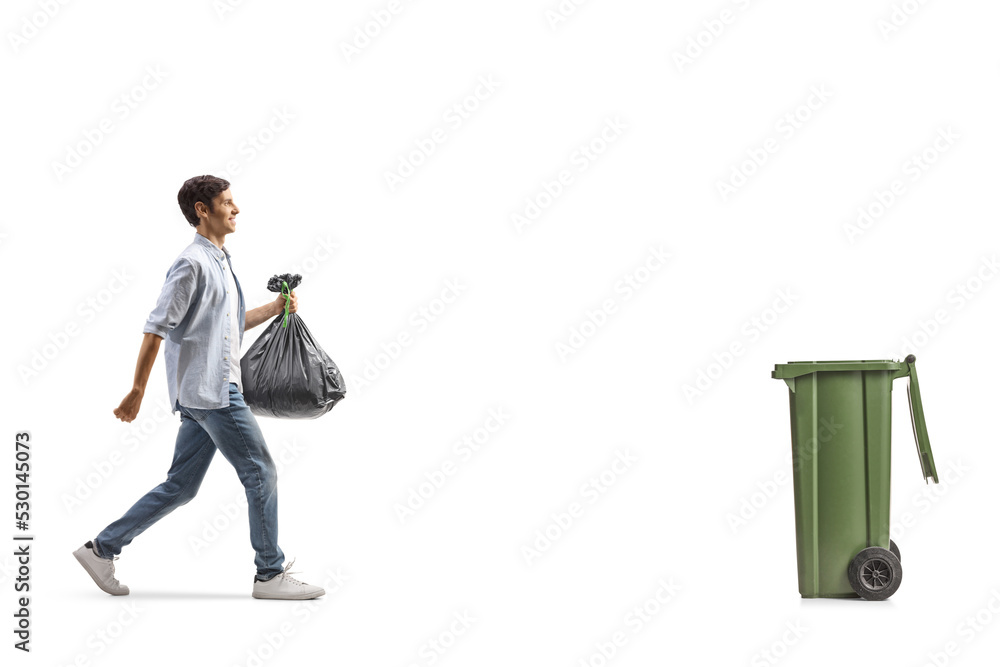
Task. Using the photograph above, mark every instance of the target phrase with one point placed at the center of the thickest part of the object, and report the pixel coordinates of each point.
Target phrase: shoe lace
(286, 575)
(112, 566)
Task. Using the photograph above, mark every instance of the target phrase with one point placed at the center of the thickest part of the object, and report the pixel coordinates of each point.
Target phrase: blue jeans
(234, 431)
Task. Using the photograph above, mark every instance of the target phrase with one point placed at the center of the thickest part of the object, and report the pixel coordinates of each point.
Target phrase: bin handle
(917, 419)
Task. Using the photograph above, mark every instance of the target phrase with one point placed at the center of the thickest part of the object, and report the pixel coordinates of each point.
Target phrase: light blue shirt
(193, 316)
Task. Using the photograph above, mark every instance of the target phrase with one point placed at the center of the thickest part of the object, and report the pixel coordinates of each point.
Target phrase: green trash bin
(841, 432)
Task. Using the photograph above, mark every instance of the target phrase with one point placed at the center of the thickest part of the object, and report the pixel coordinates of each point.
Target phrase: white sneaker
(101, 570)
(285, 587)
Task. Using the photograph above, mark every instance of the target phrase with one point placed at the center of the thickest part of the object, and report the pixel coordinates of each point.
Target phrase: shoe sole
(303, 596)
(93, 575)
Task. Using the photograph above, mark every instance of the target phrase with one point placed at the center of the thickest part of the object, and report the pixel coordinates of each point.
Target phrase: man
(201, 316)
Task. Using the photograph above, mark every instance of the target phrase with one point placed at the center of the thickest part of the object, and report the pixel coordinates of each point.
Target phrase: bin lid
(796, 368)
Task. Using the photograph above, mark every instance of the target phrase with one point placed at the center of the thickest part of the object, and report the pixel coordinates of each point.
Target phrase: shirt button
(225, 358)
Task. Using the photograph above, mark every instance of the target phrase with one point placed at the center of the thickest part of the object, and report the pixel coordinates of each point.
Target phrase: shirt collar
(198, 238)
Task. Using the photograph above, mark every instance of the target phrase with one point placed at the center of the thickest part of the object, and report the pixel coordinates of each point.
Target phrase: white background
(107, 229)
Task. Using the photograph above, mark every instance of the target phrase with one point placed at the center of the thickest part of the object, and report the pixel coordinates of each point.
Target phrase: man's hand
(129, 407)
(275, 308)
(292, 307)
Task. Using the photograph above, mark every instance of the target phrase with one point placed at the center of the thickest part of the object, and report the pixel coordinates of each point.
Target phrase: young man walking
(201, 315)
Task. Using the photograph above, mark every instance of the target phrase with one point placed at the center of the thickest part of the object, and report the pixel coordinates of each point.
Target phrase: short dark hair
(199, 189)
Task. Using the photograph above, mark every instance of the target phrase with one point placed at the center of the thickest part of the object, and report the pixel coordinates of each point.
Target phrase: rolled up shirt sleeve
(179, 291)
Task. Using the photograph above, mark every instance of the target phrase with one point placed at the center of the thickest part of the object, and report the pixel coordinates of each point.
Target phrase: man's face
(223, 219)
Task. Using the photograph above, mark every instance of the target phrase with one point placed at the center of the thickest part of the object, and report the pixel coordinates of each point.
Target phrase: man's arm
(129, 407)
(180, 290)
(264, 313)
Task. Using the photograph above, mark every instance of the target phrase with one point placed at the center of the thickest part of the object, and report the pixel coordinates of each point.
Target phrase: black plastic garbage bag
(286, 374)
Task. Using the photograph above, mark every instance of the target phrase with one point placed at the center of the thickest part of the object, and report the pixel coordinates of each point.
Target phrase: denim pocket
(194, 413)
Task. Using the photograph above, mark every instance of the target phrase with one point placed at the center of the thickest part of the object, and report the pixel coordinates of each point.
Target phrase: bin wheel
(895, 550)
(875, 573)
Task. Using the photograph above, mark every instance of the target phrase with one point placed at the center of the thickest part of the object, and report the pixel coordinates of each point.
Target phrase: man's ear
(200, 208)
